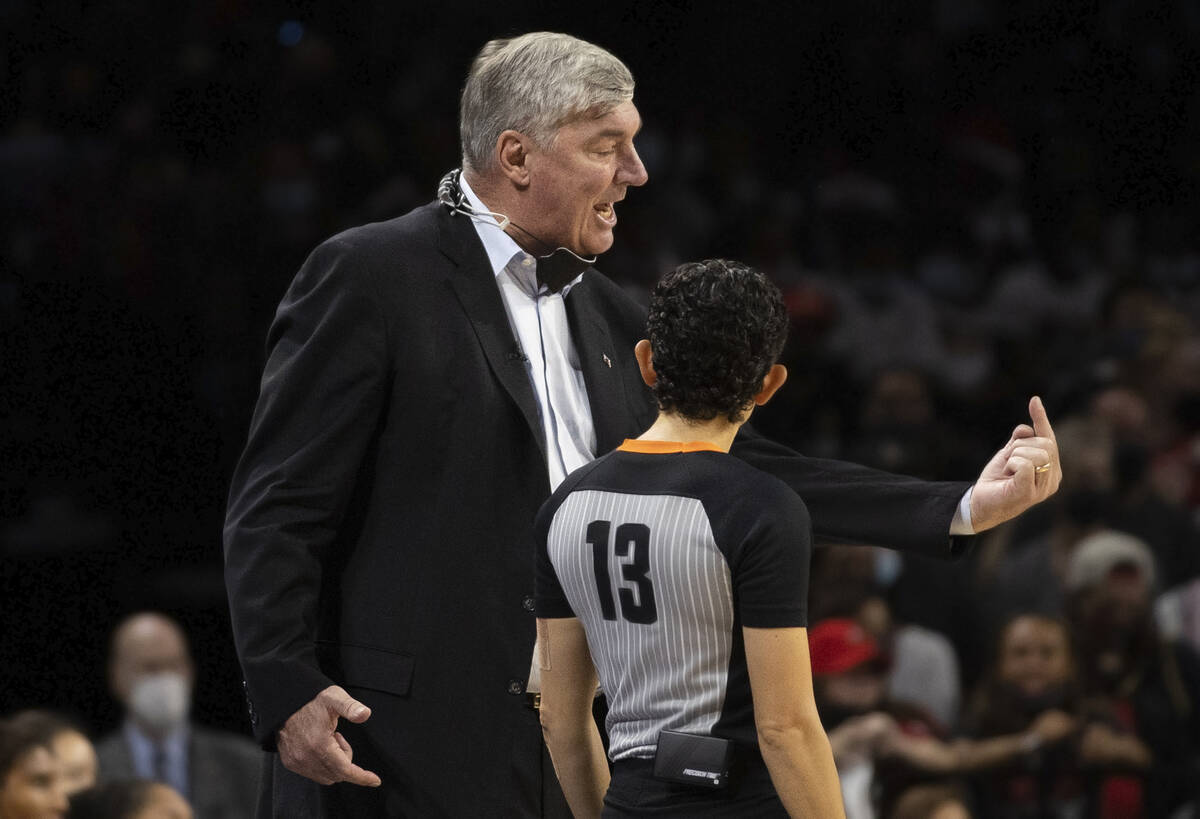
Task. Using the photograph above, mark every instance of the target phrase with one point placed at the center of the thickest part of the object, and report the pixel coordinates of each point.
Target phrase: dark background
(165, 168)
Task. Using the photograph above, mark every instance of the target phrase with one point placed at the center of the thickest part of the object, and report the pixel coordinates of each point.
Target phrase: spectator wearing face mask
(151, 675)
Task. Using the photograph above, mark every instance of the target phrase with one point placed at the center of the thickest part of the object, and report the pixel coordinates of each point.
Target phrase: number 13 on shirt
(636, 607)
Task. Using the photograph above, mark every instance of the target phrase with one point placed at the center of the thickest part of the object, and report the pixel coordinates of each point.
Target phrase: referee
(678, 575)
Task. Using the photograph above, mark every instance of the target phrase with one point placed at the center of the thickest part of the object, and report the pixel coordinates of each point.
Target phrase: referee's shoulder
(744, 485)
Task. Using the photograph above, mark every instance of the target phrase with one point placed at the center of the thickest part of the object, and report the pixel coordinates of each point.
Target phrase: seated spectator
(850, 686)
(1141, 692)
(855, 582)
(70, 746)
(1022, 718)
(1042, 750)
(76, 758)
(1017, 707)
(129, 799)
(151, 675)
(31, 779)
(923, 667)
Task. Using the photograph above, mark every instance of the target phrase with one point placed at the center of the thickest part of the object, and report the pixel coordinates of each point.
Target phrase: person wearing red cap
(850, 685)
(840, 644)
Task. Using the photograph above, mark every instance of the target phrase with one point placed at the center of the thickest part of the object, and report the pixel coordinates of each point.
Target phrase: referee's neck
(671, 426)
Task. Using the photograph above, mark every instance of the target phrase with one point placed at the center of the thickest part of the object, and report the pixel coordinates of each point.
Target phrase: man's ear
(513, 156)
(645, 360)
(772, 381)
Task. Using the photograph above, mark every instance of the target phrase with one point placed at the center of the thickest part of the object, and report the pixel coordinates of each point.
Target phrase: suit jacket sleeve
(849, 503)
(322, 393)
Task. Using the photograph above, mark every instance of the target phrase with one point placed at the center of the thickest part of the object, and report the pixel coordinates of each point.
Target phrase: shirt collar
(174, 743)
(499, 246)
(666, 447)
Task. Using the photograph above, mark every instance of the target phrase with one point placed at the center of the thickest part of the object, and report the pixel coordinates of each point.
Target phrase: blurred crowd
(1085, 704)
(965, 202)
(158, 764)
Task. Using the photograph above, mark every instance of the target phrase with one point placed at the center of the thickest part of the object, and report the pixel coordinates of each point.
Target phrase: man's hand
(1024, 472)
(310, 745)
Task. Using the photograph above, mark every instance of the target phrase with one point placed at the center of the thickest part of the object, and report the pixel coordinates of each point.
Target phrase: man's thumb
(1041, 422)
(350, 708)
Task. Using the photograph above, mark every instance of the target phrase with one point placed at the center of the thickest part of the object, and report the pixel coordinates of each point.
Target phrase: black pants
(635, 792)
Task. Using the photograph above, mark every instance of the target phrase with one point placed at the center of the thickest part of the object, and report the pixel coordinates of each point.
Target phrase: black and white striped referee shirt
(664, 551)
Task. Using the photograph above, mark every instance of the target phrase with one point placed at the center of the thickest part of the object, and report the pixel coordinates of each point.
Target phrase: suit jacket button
(527, 603)
(516, 687)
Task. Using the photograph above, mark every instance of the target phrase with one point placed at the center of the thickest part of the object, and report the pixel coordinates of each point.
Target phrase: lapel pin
(607, 360)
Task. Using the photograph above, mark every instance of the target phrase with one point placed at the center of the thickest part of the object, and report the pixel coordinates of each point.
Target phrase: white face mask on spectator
(161, 701)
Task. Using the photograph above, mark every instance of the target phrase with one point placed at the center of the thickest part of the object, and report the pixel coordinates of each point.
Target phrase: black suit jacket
(378, 534)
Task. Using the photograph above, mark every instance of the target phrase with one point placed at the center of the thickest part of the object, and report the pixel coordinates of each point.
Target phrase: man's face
(146, 646)
(575, 182)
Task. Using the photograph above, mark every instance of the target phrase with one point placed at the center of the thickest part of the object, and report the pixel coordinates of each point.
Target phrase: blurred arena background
(966, 202)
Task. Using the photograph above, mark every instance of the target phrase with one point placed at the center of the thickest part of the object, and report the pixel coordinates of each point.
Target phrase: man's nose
(632, 171)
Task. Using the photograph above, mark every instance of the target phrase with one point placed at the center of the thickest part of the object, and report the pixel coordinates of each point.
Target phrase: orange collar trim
(664, 447)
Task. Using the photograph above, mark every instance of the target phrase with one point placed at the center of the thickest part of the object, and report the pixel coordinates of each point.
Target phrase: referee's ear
(645, 359)
(772, 381)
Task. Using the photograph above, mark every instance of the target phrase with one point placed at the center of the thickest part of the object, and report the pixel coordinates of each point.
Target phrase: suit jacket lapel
(601, 368)
(476, 289)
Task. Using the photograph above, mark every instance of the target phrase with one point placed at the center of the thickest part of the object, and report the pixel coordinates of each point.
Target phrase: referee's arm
(568, 688)
(790, 736)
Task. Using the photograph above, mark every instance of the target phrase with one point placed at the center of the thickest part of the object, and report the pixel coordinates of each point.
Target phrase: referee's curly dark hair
(716, 327)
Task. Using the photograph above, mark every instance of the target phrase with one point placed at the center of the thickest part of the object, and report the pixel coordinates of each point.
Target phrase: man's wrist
(961, 524)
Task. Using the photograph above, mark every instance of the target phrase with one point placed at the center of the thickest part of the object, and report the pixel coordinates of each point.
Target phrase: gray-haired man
(430, 379)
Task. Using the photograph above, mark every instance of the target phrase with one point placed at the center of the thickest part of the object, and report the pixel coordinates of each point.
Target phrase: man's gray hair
(535, 84)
